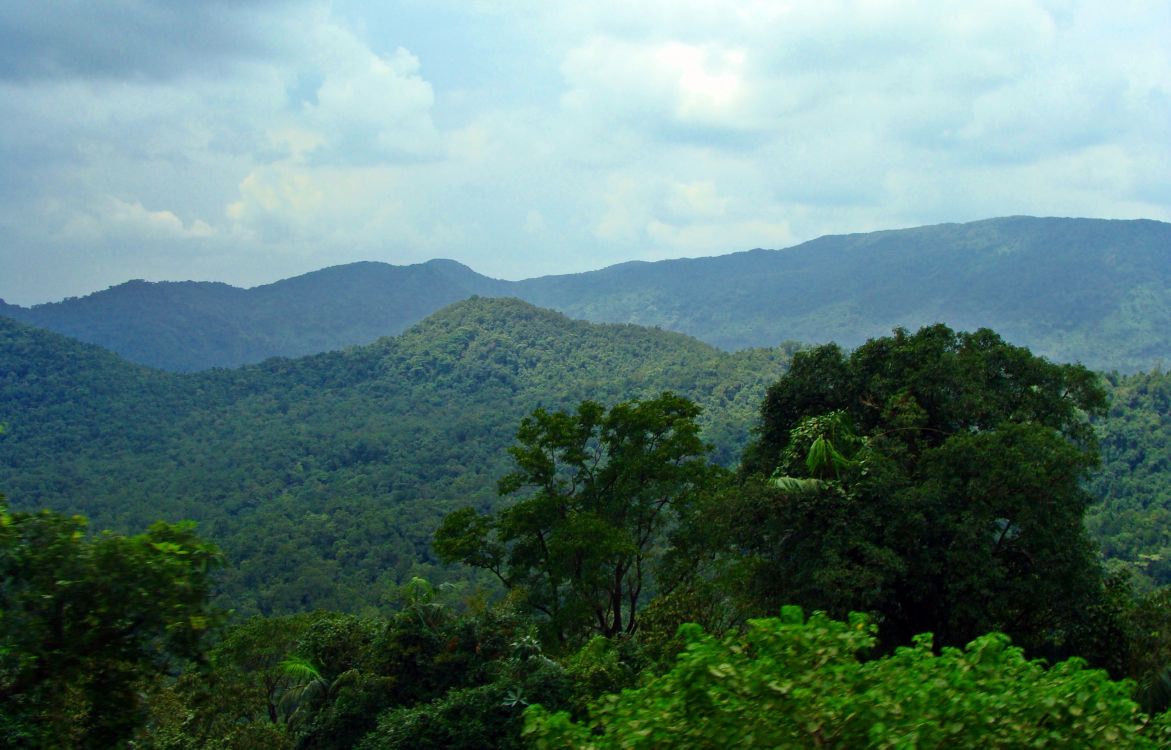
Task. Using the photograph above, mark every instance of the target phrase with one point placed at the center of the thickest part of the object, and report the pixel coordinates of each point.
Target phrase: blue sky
(253, 140)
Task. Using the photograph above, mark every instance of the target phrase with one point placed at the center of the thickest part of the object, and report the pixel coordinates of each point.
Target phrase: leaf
(796, 485)
(300, 668)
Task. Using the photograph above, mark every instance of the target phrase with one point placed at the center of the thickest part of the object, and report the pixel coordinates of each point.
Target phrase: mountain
(187, 326)
(1087, 290)
(324, 477)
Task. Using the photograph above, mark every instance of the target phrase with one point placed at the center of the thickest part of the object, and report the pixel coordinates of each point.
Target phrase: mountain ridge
(1089, 290)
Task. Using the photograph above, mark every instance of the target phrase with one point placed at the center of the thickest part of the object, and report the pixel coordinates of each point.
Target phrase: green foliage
(604, 486)
(256, 652)
(1133, 520)
(485, 716)
(423, 677)
(1143, 644)
(211, 710)
(85, 622)
(236, 699)
(275, 681)
(602, 665)
(790, 683)
(323, 479)
(931, 478)
(466, 719)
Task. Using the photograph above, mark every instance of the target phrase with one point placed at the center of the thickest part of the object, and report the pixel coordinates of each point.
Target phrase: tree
(793, 683)
(86, 621)
(934, 479)
(237, 697)
(603, 487)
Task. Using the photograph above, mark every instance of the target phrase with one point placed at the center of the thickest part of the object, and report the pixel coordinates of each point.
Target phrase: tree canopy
(86, 622)
(931, 478)
(602, 487)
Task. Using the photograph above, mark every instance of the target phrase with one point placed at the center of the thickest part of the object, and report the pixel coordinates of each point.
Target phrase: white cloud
(112, 219)
(696, 199)
(137, 221)
(277, 194)
(369, 108)
(656, 85)
(571, 134)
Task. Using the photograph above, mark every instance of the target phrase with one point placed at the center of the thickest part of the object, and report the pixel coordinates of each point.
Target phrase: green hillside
(1133, 520)
(323, 478)
(337, 467)
(1086, 290)
(186, 326)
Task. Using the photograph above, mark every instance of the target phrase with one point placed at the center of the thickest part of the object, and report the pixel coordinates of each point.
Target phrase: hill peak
(1093, 290)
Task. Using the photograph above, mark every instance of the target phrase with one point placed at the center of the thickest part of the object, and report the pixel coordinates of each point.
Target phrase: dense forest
(348, 459)
(1133, 519)
(345, 460)
(477, 533)
(1073, 290)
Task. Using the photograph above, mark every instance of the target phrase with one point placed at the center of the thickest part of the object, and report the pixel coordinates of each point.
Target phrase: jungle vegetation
(618, 512)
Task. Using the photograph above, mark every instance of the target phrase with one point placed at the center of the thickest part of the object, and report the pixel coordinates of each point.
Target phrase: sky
(247, 141)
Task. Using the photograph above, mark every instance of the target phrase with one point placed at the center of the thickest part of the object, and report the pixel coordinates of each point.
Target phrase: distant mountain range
(1087, 290)
(194, 325)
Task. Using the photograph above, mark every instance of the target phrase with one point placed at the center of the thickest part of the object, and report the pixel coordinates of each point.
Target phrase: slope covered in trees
(323, 478)
(344, 459)
(929, 479)
(1133, 520)
(185, 326)
(1083, 290)
(1070, 289)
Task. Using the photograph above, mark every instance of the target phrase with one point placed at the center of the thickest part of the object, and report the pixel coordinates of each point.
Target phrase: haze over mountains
(1087, 290)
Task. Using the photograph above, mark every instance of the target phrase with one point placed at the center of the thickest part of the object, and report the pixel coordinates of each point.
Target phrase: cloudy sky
(251, 140)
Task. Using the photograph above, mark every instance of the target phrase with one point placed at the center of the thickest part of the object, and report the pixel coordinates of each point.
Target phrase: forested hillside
(185, 326)
(1083, 290)
(1133, 520)
(323, 478)
(346, 460)
(933, 480)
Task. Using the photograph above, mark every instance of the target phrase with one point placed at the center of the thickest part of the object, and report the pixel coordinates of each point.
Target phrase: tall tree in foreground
(934, 479)
(602, 490)
(87, 622)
